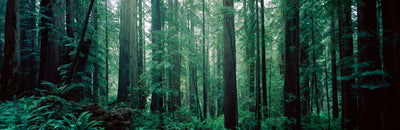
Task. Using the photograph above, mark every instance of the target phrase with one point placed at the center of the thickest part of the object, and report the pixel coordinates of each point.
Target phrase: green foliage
(80, 123)
(316, 122)
(47, 112)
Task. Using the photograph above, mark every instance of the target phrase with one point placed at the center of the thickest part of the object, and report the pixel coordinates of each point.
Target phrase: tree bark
(141, 58)
(156, 96)
(10, 72)
(291, 87)
(229, 67)
(70, 17)
(50, 46)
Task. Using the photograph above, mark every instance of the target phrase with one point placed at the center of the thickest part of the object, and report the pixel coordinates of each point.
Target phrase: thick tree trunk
(349, 93)
(10, 72)
(70, 17)
(369, 53)
(391, 56)
(50, 46)
(156, 97)
(291, 87)
(229, 67)
(128, 77)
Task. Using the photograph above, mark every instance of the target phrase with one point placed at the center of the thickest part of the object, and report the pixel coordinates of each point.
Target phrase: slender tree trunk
(142, 58)
(229, 67)
(79, 61)
(327, 93)
(334, 72)
(391, 52)
(314, 81)
(10, 71)
(204, 64)
(258, 77)
(291, 87)
(96, 65)
(269, 90)
(107, 53)
(263, 64)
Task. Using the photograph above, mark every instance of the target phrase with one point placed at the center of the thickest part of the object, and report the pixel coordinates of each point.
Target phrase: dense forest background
(199, 64)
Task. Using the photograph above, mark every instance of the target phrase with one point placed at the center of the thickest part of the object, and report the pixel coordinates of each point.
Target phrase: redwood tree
(291, 87)
(229, 67)
(10, 73)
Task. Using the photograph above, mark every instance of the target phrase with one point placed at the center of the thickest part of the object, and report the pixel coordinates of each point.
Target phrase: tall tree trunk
(250, 47)
(333, 61)
(349, 93)
(128, 77)
(124, 71)
(70, 17)
(263, 64)
(369, 53)
(327, 92)
(156, 99)
(28, 51)
(229, 67)
(304, 70)
(314, 72)
(258, 77)
(10, 72)
(50, 43)
(96, 65)
(291, 87)
(142, 58)
(107, 53)
(81, 55)
(391, 61)
(204, 65)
